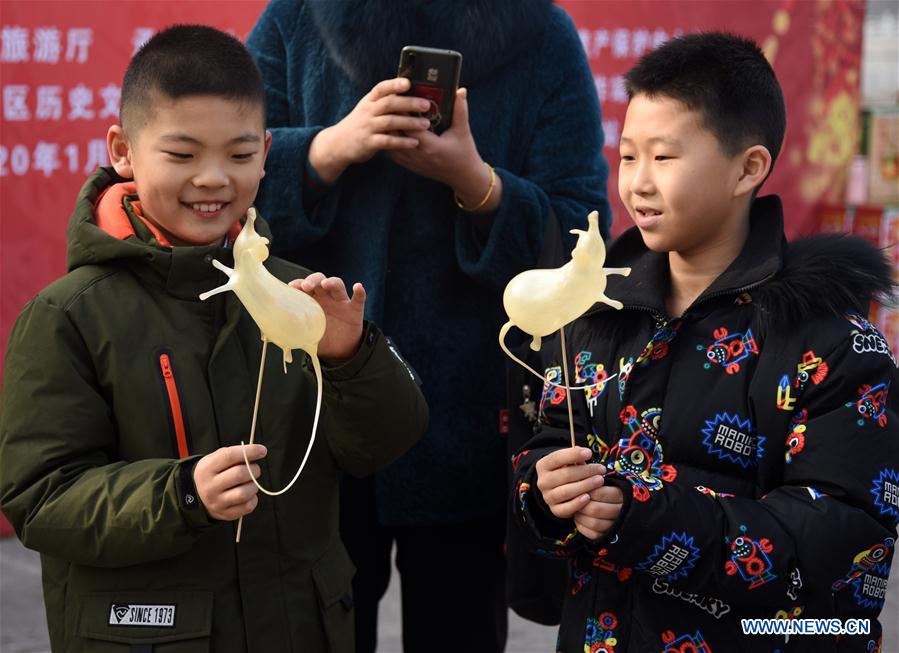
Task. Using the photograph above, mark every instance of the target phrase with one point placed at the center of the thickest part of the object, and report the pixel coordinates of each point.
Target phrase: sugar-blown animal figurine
(540, 302)
(285, 316)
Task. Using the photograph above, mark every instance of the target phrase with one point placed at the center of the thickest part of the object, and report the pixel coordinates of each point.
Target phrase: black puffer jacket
(754, 441)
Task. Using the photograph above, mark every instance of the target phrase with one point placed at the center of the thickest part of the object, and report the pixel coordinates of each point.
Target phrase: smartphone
(435, 76)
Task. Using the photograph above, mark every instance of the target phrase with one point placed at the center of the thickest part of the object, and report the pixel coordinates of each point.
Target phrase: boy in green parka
(126, 398)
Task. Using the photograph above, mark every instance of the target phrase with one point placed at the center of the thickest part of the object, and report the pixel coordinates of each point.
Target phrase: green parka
(107, 369)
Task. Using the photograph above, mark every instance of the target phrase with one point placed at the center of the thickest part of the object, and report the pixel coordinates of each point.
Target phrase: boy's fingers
(335, 288)
(249, 506)
(232, 513)
(599, 510)
(226, 457)
(607, 494)
(567, 491)
(234, 477)
(570, 508)
(547, 480)
(237, 495)
(563, 458)
(592, 528)
(311, 282)
(359, 293)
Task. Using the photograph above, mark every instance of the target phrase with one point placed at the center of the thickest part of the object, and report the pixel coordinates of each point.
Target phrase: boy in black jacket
(744, 462)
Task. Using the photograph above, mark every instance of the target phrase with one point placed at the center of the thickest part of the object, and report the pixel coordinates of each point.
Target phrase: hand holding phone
(382, 120)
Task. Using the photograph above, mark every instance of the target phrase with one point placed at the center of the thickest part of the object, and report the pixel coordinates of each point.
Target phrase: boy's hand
(223, 483)
(596, 518)
(452, 158)
(565, 481)
(343, 329)
(376, 123)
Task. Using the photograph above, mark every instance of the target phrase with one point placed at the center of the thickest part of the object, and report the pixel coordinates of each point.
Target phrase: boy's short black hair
(185, 60)
(724, 77)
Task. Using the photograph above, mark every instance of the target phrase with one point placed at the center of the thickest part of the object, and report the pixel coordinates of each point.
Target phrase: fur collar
(828, 274)
(364, 37)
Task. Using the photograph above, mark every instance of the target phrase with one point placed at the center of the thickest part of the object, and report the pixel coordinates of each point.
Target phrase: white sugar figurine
(287, 317)
(540, 302)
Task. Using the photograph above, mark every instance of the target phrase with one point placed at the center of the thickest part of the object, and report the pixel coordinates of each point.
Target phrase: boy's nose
(641, 182)
(210, 177)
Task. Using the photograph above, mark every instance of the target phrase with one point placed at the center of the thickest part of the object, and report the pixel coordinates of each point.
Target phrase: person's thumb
(460, 110)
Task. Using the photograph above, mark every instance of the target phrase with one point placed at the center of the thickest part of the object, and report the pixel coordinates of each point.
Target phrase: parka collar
(646, 287)
(183, 272)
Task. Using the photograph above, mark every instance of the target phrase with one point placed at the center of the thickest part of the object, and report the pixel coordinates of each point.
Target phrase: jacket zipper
(662, 319)
(734, 291)
(168, 376)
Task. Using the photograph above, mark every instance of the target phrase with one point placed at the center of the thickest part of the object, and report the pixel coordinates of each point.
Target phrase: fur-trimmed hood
(364, 37)
(826, 274)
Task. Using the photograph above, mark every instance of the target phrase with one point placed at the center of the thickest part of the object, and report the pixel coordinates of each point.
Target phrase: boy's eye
(627, 157)
(662, 157)
(181, 156)
(245, 156)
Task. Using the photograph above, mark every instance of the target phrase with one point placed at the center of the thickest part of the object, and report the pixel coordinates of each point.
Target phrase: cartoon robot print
(811, 368)
(872, 403)
(638, 457)
(865, 561)
(658, 347)
(686, 643)
(749, 558)
(730, 350)
(796, 437)
(599, 636)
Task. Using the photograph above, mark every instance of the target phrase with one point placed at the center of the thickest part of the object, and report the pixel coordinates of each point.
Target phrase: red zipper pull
(165, 364)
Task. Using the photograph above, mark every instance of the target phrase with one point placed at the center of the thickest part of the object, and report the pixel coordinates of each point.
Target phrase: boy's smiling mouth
(206, 209)
(645, 217)
(646, 212)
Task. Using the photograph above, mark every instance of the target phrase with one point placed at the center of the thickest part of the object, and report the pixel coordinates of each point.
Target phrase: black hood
(364, 37)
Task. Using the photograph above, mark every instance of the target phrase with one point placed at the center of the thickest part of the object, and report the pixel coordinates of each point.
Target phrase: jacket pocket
(161, 622)
(333, 577)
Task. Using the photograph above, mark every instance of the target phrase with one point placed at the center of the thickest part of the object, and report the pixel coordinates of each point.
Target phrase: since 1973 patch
(142, 614)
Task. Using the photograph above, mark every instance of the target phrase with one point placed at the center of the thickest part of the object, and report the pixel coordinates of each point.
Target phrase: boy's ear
(268, 145)
(755, 168)
(119, 151)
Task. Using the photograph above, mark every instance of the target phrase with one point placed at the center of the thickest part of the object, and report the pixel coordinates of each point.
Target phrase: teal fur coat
(433, 273)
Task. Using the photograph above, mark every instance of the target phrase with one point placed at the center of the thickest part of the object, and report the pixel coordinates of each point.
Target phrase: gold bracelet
(486, 197)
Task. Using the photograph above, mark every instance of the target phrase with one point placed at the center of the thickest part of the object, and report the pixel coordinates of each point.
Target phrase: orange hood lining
(112, 218)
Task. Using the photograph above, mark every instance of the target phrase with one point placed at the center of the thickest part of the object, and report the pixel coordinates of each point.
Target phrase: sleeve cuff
(347, 369)
(551, 536)
(191, 507)
(612, 535)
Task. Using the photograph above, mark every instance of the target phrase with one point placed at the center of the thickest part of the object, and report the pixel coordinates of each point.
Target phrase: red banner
(63, 63)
